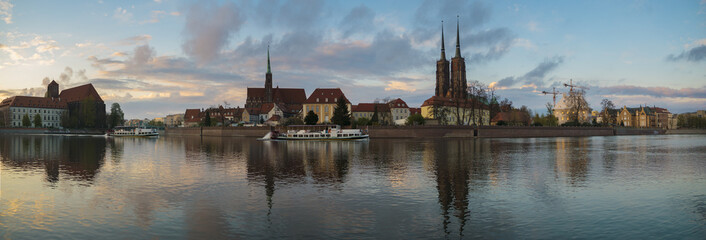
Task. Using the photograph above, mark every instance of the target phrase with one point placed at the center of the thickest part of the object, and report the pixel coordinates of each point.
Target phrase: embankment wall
(433, 131)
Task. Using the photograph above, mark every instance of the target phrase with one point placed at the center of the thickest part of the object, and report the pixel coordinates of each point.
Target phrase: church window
(317, 99)
(326, 99)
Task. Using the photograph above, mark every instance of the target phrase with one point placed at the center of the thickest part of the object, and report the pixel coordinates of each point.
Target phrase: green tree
(207, 119)
(415, 119)
(362, 121)
(341, 116)
(311, 118)
(116, 116)
(25, 121)
(374, 120)
(37, 120)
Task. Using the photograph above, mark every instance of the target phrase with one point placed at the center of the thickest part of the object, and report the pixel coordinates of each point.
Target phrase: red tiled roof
(413, 111)
(34, 102)
(282, 95)
(370, 107)
(192, 115)
(323, 94)
(398, 103)
(266, 107)
(253, 111)
(501, 116)
(80, 93)
(451, 102)
(274, 118)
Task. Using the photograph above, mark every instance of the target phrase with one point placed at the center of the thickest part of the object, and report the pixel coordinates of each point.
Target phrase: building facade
(367, 110)
(451, 111)
(77, 107)
(399, 111)
(50, 110)
(322, 102)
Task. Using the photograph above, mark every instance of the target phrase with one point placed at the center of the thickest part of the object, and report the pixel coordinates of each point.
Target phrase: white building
(563, 113)
(399, 110)
(50, 110)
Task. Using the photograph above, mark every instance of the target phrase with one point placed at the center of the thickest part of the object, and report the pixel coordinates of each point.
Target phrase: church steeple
(268, 79)
(458, 41)
(443, 51)
(268, 59)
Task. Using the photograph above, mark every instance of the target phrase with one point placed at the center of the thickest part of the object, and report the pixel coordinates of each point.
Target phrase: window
(335, 99)
(326, 99)
(317, 99)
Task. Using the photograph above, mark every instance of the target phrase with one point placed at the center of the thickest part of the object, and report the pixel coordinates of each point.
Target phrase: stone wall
(522, 132)
(686, 131)
(639, 131)
(218, 131)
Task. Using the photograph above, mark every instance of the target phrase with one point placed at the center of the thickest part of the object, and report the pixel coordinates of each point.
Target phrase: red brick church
(289, 99)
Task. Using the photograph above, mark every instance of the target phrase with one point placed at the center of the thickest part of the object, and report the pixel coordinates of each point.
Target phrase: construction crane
(553, 93)
(572, 86)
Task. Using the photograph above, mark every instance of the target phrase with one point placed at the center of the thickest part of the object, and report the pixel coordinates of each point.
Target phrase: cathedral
(451, 83)
(289, 100)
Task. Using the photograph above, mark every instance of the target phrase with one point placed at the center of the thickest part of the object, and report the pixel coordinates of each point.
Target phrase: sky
(161, 57)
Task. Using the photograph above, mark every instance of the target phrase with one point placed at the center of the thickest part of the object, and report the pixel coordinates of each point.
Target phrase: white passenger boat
(133, 132)
(314, 132)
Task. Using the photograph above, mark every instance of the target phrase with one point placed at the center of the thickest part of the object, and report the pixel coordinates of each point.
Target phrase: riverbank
(435, 131)
(51, 131)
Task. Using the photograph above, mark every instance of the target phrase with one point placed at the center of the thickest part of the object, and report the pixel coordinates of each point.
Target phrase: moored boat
(314, 132)
(133, 132)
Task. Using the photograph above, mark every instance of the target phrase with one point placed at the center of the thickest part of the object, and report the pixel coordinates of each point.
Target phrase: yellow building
(642, 117)
(322, 102)
(450, 111)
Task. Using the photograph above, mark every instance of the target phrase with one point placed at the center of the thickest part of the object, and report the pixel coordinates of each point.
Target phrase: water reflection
(201, 187)
(76, 158)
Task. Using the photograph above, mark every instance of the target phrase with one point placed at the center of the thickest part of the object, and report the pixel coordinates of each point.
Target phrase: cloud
(301, 14)
(208, 29)
(397, 85)
(695, 54)
(534, 77)
(658, 92)
(359, 19)
(122, 14)
(136, 40)
(6, 11)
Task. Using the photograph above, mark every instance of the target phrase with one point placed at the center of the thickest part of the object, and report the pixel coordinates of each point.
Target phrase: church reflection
(74, 158)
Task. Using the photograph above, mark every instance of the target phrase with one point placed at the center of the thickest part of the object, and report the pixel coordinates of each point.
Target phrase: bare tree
(576, 104)
(606, 105)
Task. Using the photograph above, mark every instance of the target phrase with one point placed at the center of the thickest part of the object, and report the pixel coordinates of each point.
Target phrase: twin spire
(458, 41)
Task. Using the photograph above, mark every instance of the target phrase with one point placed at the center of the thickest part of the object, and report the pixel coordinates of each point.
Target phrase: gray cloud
(695, 54)
(659, 92)
(301, 14)
(359, 19)
(535, 76)
(208, 29)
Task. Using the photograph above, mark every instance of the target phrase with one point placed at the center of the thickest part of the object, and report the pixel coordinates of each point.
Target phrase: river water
(624, 187)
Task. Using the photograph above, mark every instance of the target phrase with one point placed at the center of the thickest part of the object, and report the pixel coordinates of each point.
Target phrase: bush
(292, 121)
(362, 121)
(501, 123)
(415, 119)
(537, 124)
